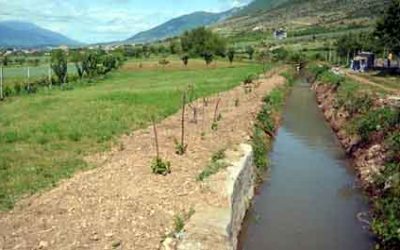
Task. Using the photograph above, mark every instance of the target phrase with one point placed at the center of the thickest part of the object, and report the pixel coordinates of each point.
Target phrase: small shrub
(211, 169)
(214, 126)
(393, 145)
(17, 88)
(250, 78)
(215, 165)
(386, 206)
(237, 102)
(179, 222)
(332, 79)
(7, 91)
(354, 103)
(219, 155)
(259, 144)
(180, 149)
(158, 166)
(382, 119)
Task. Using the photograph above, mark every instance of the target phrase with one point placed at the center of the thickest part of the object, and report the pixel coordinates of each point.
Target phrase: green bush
(217, 163)
(250, 78)
(393, 145)
(331, 78)
(158, 166)
(386, 221)
(355, 103)
(260, 146)
(383, 119)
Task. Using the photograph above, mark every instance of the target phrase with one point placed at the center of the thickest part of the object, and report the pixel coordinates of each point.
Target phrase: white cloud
(104, 20)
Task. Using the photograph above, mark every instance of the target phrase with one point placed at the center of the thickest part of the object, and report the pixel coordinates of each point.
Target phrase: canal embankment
(366, 121)
(310, 200)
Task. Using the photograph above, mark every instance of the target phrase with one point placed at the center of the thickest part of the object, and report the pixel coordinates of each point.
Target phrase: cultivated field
(45, 137)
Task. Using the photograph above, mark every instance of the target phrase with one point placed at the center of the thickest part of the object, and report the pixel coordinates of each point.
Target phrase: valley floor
(121, 204)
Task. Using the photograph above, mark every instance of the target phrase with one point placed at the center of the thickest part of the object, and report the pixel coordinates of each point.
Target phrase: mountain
(261, 5)
(28, 35)
(301, 14)
(179, 25)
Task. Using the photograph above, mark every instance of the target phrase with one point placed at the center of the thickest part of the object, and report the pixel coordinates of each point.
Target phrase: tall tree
(231, 54)
(59, 64)
(388, 27)
(250, 52)
(199, 41)
(76, 58)
(185, 60)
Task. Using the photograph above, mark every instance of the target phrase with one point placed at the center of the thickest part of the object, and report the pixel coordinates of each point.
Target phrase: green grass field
(44, 137)
(20, 73)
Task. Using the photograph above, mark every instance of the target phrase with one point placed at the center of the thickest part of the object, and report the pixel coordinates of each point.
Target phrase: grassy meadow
(45, 137)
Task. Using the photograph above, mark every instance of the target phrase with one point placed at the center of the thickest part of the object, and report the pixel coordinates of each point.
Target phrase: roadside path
(363, 80)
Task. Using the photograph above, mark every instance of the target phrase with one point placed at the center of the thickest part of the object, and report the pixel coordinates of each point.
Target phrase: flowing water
(310, 201)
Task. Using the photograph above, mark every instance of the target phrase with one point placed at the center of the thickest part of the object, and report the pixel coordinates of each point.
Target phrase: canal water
(310, 201)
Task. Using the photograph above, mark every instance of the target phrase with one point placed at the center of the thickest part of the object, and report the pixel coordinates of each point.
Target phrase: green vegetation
(203, 42)
(386, 222)
(265, 126)
(217, 163)
(382, 120)
(388, 27)
(158, 166)
(45, 137)
(374, 125)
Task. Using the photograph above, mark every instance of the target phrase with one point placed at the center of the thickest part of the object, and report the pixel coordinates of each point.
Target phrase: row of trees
(87, 63)
(7, 61)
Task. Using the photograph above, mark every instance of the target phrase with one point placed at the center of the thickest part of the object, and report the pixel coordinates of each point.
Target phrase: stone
(43, 244)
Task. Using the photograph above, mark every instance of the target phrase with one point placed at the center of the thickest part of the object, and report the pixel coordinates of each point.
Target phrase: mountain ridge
(178, 25)
(29, 35)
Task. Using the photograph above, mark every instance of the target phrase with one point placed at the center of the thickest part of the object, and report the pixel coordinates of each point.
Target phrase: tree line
(384, 39)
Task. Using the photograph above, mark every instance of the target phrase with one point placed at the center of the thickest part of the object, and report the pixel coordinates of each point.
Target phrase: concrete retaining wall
(218, 227)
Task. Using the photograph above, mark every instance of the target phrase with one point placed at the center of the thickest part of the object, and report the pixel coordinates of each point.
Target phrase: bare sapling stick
(216, 109)
(156, 137)
(183, 119)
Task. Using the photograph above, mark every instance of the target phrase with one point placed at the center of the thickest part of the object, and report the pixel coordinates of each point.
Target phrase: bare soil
(121, 204)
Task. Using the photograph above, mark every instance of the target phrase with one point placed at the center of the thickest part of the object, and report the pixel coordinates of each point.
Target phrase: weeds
(380, 120)
(180, 221)
(386, 221)
(158, 166)
(237, 102)
(217, 163)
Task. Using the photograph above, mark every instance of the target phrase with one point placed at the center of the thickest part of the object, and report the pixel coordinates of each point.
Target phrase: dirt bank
(368, 159)
(121, 204)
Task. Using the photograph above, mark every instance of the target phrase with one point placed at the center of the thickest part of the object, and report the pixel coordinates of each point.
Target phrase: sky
(93, 21)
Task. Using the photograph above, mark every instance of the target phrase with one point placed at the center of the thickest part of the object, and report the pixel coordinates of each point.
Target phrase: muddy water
(310, 201)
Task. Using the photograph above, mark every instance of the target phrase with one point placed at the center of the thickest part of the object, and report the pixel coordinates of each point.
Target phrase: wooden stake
(183, 119)
(216, 109)
(156, 137)
(50, 80)
(1, 83)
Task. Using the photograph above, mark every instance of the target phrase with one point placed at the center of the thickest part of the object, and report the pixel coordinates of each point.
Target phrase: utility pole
(1, 83)
(50, 80)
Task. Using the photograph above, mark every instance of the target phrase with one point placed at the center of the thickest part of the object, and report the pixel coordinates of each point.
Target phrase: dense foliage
(388, 27)
(201, 41)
